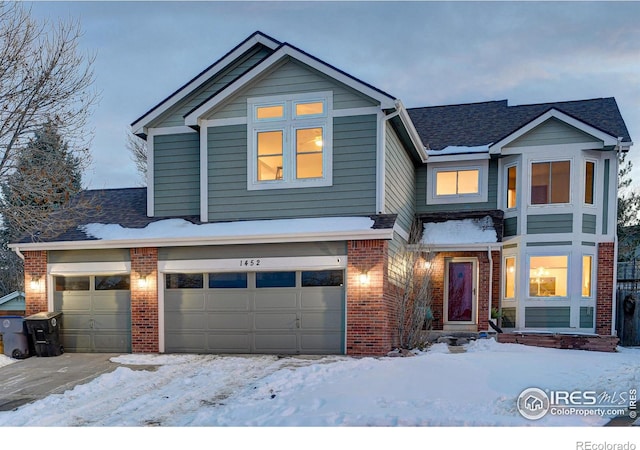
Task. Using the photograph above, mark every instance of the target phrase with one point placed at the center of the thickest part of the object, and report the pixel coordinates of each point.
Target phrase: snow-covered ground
(478, 388)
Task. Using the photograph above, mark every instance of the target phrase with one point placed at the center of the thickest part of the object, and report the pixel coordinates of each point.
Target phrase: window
(113, 283)
(275, 279)
(512, 187)
(323, 278)
(235, 280)
(184, 280)
(290, 141)
(548, 276)
(80, 283)
(510, 277)
(587, 262)
(589, 182)
(457, 182)
(550, 182)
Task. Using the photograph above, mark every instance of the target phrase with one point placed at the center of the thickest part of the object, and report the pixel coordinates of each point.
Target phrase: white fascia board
(607, 139)
(459, 157)
(254, 264)
(92, 268)
(192, 118)
(493, 246)
(138, 126)
(413, 133)
(371, 234)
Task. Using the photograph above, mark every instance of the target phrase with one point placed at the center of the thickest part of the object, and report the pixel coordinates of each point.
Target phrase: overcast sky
(425, 53)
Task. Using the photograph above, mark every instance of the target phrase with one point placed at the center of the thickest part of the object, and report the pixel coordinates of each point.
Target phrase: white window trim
(591, 298)
(505, 188)
(515, 278)
(583, 183)
(289, 124)
(483, 182)
(554, 300)
(571, 186)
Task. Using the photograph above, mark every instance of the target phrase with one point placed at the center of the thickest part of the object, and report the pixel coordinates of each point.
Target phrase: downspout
(491, 284)
(381, 163)
(614, 308)
(19, 253)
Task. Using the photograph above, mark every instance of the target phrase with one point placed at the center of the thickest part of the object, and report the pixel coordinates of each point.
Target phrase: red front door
(460, 291)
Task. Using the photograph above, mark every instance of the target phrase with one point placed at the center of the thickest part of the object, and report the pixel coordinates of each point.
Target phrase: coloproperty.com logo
(534, 403)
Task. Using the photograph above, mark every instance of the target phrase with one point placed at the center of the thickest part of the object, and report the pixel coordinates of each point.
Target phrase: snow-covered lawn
(436, 388)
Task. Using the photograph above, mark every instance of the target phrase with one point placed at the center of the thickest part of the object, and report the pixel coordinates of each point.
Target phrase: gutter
(17, 251)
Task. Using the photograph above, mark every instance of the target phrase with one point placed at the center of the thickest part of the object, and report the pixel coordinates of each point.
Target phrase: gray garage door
(96, 313)
(297, 312)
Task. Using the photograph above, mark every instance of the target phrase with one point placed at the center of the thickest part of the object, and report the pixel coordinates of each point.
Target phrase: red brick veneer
(35, 267)
(605, 289)
(144, 301)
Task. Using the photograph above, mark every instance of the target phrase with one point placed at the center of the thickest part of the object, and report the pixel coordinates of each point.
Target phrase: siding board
(589, 223)
(547, 317)
(399, 181)
(549, 223)
(552, 132)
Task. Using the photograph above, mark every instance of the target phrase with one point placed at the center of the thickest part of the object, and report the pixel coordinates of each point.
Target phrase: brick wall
(144, 300)
(370, 306)
(605, 290)
(35, 268)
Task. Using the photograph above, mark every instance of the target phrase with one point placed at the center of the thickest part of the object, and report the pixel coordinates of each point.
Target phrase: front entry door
(461, 292)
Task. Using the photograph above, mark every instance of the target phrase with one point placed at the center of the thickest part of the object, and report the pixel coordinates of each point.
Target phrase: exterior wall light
(364, 278)
(142, 282)
(35, 284)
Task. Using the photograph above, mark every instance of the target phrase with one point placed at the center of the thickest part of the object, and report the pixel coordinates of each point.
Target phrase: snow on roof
(456, 150)
(180, 228)
(464, 231)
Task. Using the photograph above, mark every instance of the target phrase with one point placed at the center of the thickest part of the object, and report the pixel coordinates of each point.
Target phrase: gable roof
(19, 295)
(481, 124)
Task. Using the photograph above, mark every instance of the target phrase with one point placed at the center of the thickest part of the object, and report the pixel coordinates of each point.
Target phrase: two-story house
(279, 190)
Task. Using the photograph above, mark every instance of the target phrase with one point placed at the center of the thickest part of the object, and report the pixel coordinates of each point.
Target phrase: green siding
(176, 166)
(552, 132)
(421, 193)
(399, 181)
(354, 177)
(75, 256)
(586, 317)
(547, 244)
(605, 203)
(291, 77)
(337, 248)
(547, 317)
(16, 304)
(174, 116)
(511, 226)
(549, 223)
(508, 317)
(510, 246)
(589, 223)
(589, 244)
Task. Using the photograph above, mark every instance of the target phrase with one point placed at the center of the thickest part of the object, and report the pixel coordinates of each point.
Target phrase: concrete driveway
(34, 378)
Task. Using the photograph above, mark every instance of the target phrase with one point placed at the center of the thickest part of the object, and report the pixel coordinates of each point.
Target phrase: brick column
(370, 311)
(144, 300)
(605, 288)
(35, 269)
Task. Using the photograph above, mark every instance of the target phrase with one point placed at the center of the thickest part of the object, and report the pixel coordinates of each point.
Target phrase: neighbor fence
(628, 303)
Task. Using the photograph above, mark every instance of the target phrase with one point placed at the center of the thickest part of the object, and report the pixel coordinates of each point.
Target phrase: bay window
(548, 276)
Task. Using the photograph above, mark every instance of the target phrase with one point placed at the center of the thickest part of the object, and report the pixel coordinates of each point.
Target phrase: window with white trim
(587, 276)
(550, 182)
(511, 185)
(290, 141)
(548, 276)
(460, 183)
(589, 182)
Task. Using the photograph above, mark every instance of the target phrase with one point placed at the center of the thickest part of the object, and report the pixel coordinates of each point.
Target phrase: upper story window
(550, 182)
(589, 182)
(290, 141)
(512, 187)
(464, 182)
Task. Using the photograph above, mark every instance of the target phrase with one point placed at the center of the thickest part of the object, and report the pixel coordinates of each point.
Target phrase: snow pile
(180, 228)
(464, 231)
(5, 360)
(435, 388)
(459, 150)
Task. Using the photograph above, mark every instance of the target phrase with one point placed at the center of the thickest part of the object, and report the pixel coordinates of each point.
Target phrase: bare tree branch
(138, 153)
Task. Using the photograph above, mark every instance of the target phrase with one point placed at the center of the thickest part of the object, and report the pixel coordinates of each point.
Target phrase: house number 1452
(249, 262)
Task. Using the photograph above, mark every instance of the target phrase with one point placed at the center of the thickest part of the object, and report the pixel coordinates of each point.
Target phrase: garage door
(96, 313)
(292, 312)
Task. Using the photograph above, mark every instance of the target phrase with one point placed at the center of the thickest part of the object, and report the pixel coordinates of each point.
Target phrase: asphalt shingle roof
(476, 124)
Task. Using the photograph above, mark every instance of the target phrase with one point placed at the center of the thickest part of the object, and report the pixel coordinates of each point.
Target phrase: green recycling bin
(44, 330)
(14, 337)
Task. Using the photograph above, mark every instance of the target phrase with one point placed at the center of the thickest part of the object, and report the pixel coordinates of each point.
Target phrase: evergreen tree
(628, 212)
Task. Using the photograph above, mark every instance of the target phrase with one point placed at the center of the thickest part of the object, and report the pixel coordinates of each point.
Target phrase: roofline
(416, 140)
(386, 101)
(94, 244)
(553, 112)
(457, 247)
(256, 38)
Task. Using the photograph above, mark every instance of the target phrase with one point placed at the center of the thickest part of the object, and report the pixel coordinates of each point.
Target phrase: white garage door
(288, 312)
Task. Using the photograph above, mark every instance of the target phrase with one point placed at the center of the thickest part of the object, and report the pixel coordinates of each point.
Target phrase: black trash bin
(44, 330)
(14, 337)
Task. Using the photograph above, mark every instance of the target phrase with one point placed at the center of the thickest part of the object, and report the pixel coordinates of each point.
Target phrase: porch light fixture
(364, 278)
(35, 284)
(142, 282)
